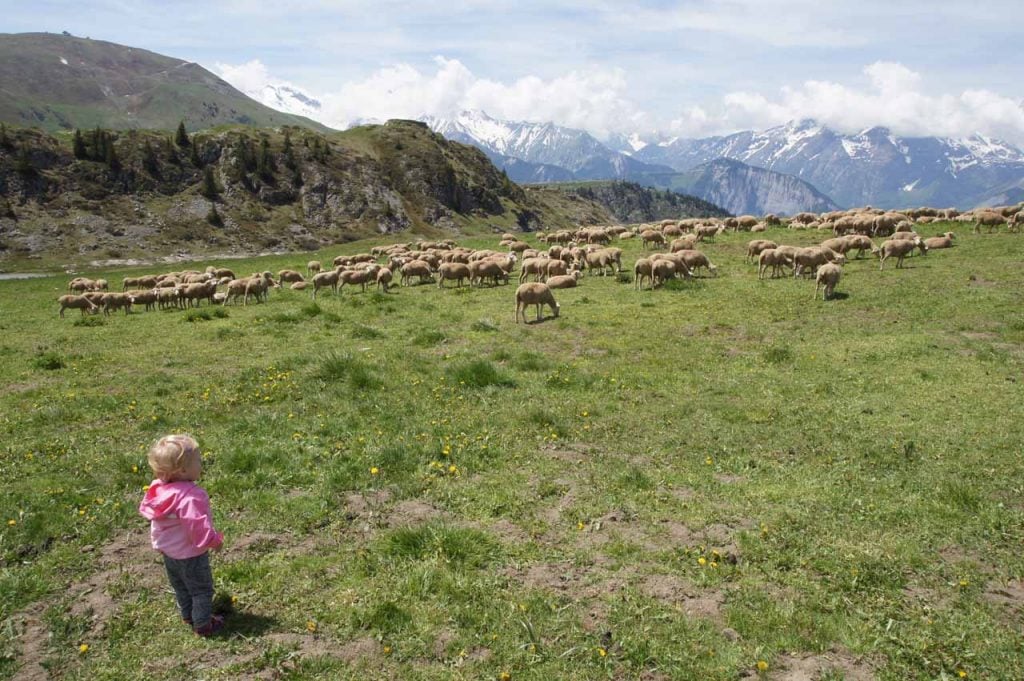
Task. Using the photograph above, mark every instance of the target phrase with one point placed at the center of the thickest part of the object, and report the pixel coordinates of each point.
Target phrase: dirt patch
(719, 537)
(815, 667)
(1009, 595)
(928, 599)
(366, 503)
(444, 641)
(571, 452)
(507, 531)
(682, 594)
(726, 479)
(413, 512)
(978, 280)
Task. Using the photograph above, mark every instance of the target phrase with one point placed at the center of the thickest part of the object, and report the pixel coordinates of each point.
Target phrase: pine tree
(265, 162)
(289, 153)
(5, 141)
(149, 159)
(99, 150)
(6, 210)
(78, 146)
(112, 161)
(209, 188)
(181, 137)
(23, 164)
(194, 155)
(213, 217)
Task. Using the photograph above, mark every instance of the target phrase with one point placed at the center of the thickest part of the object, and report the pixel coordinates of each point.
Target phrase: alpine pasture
(717, 479)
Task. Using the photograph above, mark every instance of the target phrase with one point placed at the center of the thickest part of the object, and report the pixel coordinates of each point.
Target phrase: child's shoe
(215, 625)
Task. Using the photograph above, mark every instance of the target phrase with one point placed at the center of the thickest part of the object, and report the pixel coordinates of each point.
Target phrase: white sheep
(898, 248)
(70, 302)
(941, 241)
(534, 294)
(774, 258)
(642, 269)
(565, 280)
(828, 277)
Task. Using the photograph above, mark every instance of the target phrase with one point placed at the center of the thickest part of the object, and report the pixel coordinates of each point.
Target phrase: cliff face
(743, 189)
(245, 189)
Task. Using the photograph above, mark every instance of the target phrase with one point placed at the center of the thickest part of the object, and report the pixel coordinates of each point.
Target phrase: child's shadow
(248, 624)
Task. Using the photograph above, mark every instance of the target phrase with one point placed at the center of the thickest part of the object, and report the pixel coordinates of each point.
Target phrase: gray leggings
(192, 581)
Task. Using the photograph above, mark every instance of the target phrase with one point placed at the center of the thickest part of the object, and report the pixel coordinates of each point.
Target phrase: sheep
(684, 243)
(695, 260)
(906, 236)
(662, 271)
(775, 258)
(360, 277)
(642, 269)
(565, 280)
(941, 241)
(860, 242)
(810, 259)
(839, 244)
(534, 266)
(989, 218)
(898, 248)
(147, 281)
(80, 284)
(676, 259)
(650, 236)
(384, 277)
(456, 271)
(168, 297)
(114, 301)
(221, 272)
(487, 269)
(745, 222)
(416, 268)
(289, 276)
(708, 232)
(100, 285)
(197, 292)
(534, 294)
(1015, 222)
(299, 286)
(325, 279)
(828, 277)
(313, 267)
(76, 303)
(518, 246)
(755, 247)
(148, 298)
(258, 285)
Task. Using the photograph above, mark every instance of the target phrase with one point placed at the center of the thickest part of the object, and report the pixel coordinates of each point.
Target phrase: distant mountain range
(544, 152)
(872, 167)
(59, 82)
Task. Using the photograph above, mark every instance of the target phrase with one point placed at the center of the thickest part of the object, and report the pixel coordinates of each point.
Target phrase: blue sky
(695, 67)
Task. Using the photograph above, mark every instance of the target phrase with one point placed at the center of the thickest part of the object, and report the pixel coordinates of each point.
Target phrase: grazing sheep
(905, 236)
(898, 248)
(456, 271)
(71, 302)
(990, 219)
(810, 259)
(839, 244)
(745, 222)
(941, 241)
(662, 271)
(384, 278)
(147, 298)
(197, 292)
(80, 284)
(320, 280)
(416, 268)
(115, 301)
(860, 243)
(564, 280)
(147, 281)
(755, 247)
(642, 269)
(1016, 220)
(828, 277)
(100, 285)
(480, 270)
(168, 297)
(289, 276)
(534, 266)
(651, 237)
(534, 294)
(685, 243)
(361, 277)
(708, 232)
(774, 258)
(695, 260)
(313, 267)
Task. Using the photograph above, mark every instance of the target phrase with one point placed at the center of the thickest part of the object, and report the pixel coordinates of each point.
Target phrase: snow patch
(63, 61)
(910, 187)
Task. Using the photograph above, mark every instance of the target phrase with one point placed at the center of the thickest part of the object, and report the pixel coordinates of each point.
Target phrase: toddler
(181, 528)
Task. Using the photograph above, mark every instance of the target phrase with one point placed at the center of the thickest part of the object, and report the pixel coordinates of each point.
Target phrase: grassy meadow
(715, 480)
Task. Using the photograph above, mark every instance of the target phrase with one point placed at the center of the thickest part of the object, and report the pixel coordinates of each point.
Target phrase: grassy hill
(679, 484)
(59, 82)
(273, 189)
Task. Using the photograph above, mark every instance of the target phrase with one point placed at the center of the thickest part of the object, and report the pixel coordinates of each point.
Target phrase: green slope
(59, 82)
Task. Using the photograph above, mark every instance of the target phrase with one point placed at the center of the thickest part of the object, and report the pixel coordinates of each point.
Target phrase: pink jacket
(180, 523)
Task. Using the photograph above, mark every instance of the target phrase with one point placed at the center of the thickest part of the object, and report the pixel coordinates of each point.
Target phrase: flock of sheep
(569, 255)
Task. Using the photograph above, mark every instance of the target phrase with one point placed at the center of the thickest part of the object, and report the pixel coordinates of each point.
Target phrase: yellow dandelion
(579, 525)
(374, 470)
(387, 650)
(702, 560)
(708, 460)
(504, 676)
(964, 582)
(453, 469)
(12, 522)
(762, 666)
(84, 648)
(310, 626)
(585, 414)
(962, 674)
(602, 652)
(135, 469)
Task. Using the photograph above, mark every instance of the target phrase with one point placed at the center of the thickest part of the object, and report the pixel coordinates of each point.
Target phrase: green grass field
(715, 480)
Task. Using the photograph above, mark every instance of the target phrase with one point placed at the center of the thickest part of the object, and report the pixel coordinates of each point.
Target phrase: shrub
(336, 368)
(49, 361)
(480, 374)
(426, 339)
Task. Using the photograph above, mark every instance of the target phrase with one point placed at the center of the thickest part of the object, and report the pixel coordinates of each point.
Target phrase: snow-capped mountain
(288, 99)
(872, 167)
(547, 144)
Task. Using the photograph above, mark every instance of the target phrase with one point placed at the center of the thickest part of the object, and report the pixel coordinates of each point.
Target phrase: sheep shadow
(839, 295)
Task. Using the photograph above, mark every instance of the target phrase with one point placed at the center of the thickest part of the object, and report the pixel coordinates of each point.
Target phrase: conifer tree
(6, 210)
(265, 162)
(149, 159)
(181, 137)
(112, 160)
(99, 150)
(194, 155)
(213, 217)
(23, 164)
(289, 153)
(209, 188)
(5, 141)
(78, 146)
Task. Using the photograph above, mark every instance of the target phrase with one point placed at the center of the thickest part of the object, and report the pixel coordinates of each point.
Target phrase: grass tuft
(480, 374)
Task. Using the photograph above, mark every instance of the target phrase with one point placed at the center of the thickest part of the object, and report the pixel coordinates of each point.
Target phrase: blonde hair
(172, 456)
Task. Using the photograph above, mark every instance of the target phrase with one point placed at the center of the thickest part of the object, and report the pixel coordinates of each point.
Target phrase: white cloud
(251, 76)
(894, 98)
(592, 99)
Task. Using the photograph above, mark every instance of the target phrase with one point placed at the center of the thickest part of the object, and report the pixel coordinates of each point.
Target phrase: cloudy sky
(692, 67)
